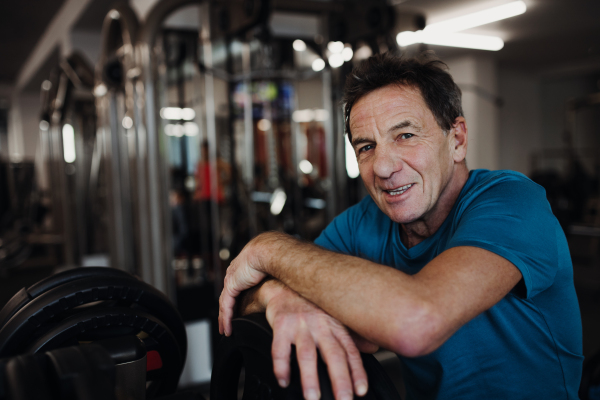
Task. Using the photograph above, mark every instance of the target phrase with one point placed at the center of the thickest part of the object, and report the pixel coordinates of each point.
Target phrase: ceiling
(552, 34)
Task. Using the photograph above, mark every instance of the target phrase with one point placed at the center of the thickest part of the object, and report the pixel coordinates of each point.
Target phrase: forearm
(361, 294)
(409, 314)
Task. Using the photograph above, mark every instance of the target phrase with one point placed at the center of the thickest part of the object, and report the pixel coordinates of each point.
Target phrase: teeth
(400, 190)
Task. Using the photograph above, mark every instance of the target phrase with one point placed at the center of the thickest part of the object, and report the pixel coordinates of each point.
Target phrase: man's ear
(460, 139)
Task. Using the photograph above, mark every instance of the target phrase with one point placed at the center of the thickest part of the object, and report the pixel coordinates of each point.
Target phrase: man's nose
(386, 162)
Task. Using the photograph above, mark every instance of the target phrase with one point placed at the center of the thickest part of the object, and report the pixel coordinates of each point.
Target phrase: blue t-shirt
(528, 345)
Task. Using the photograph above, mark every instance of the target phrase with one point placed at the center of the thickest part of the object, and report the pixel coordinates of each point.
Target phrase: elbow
(419, 334)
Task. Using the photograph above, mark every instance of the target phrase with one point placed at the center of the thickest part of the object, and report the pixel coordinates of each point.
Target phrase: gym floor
(586, 270)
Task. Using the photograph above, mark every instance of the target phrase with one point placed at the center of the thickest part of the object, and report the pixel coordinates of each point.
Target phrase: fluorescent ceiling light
(176, 113)
(464, 40)
(68, 143)
(478, 18)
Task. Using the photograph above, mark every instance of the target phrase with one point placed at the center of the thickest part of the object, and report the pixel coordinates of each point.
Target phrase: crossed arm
(411, 315)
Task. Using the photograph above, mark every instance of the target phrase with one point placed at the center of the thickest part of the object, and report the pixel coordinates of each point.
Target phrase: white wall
(520, 119)
(477, 78)
(23, 126)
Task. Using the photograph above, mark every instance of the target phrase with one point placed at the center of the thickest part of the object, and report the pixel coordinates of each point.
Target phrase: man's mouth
(400, 190)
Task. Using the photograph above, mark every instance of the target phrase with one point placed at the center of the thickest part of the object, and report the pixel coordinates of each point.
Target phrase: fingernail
(361, 388)
(312, 394)
(346, 396)
(283, 383)
(227, 333)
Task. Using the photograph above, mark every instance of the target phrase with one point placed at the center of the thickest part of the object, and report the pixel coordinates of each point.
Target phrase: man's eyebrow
(404, 124)
(357, 141)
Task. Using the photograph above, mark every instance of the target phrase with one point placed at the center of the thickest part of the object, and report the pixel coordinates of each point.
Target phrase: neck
(415, 232)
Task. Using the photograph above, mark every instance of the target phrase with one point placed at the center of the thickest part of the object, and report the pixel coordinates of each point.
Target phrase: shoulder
(342, 233)
(501, 185)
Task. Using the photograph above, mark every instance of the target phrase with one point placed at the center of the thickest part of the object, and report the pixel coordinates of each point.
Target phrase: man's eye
(365, 148)
(406, 135)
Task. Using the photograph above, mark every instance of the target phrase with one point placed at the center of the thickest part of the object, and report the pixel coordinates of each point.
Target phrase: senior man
(466, 275)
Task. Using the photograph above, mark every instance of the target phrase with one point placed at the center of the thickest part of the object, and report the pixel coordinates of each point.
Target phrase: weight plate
(249, 346)
(103, 323)
(53, 305)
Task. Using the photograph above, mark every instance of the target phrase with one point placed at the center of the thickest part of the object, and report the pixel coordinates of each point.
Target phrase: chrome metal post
(249, 139)
(211, 133)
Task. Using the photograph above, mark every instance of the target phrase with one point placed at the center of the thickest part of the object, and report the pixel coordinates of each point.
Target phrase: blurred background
(160, 136)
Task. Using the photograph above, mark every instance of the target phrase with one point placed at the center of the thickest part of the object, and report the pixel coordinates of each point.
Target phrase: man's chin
(403, 217)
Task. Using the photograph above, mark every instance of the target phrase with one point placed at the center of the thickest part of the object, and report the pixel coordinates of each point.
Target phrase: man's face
(405, 160)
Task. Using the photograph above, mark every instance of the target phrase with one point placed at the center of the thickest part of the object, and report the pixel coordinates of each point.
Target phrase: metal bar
(211, 132)
(248, 139)
(118, 239)
(295, 133)
(329, 143)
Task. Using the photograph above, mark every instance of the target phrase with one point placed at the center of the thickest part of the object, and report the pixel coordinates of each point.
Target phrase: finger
(280, 351)
(337, 365)
(359, 375)
(226, 305)
(306, 353)
(220, 319)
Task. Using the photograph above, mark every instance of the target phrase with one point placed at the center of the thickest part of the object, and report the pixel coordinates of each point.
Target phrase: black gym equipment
(249, 346)
(100, 333)
(95, 304)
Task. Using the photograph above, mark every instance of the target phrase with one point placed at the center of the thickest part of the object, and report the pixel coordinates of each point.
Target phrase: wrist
(268, 251)
(269, 290)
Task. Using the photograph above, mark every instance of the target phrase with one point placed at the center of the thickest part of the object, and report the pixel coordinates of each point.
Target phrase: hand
(297, 321)
(243, 273)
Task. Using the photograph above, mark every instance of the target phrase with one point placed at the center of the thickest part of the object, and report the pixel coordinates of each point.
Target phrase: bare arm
(410, 315)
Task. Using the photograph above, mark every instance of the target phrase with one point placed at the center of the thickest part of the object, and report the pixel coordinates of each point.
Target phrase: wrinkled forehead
(387, 101)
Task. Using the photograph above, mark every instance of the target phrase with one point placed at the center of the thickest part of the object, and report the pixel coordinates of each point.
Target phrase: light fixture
(444, 33)
(305, 166)
(318, 64)
(335, 47)
(176, 113)
(100, 90)
(299, 45)
(68, 134)
(191, 129)
(351, 163)
(309, 114)
(127, 122)
(336, 60)
(478, 18)
(303, 115)
(278, 199)
(321, 115)
(176, 130)
(347, 53)
(464, 40)
(363, 52)
(264, 125)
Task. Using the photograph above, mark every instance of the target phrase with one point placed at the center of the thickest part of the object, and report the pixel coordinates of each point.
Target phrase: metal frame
(120, 40)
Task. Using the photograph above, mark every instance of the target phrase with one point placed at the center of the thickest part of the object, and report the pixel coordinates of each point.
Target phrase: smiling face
(411, 169)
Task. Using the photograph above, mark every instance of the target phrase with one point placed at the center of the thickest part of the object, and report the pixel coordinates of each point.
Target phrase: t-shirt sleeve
(513, 219)
(338, 236)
